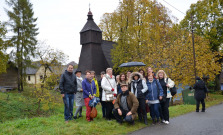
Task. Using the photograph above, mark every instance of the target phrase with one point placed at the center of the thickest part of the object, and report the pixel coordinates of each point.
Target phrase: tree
(208, 22)
(145, 32)
(3, 46)
(51, 59)
(22, 24)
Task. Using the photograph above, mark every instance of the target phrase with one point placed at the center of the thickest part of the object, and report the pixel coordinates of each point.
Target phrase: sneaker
(203, 111)
(80, 116)
(197, 110)
(167, 122)
(75, 117)
(163, 121)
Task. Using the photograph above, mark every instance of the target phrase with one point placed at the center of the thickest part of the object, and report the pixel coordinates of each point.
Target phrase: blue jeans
(154, 111)
(68, 100)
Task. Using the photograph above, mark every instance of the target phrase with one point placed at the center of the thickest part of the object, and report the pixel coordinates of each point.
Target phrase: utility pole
(192, 30)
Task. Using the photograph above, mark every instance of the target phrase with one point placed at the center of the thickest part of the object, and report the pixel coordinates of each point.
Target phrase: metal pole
(192, 27)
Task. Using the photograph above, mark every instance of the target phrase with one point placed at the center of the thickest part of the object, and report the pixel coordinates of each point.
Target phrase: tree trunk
(217, 82)
(18, 61)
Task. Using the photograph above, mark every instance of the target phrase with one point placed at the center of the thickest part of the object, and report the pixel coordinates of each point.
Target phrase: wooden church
(95, 53)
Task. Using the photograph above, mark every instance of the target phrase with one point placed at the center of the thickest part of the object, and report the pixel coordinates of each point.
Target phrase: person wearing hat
(125, 106)
(79, 100)
(200, 93)
(139, 88)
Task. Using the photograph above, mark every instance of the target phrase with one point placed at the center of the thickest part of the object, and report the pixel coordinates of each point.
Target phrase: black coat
(68, 83)
(200, 90)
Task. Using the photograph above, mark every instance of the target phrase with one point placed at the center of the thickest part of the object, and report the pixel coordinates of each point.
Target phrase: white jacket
(107, 94)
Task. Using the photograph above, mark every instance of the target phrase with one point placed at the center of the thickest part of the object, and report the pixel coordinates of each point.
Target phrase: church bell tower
(92, 57)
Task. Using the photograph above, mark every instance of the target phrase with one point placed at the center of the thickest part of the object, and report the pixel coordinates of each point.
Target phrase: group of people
(123, 97)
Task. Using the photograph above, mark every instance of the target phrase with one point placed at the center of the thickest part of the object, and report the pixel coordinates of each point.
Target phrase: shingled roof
(90, 25)
(32, 70)
(106, 48)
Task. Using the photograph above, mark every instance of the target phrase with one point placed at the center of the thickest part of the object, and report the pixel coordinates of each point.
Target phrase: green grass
(55, 124)
(14, 105)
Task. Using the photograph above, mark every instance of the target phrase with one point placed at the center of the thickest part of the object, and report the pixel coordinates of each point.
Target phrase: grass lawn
(55, 124)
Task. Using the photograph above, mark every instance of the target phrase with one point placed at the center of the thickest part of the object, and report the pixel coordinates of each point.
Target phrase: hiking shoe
(167, 122)
(75, 117)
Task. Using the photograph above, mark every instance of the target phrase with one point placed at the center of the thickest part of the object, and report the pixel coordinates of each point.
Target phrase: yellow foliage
(144, 31)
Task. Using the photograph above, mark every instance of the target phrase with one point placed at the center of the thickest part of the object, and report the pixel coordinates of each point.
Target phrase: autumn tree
(3, 46)
(144, 31)
(23, 25)
(51, 59)
(207, 18)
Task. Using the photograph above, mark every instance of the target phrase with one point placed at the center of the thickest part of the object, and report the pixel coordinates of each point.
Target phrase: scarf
(150, 81)
(125, 93)
(80, 78)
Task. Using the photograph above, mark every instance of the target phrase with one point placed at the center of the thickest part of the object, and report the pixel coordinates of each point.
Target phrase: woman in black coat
(200, 93)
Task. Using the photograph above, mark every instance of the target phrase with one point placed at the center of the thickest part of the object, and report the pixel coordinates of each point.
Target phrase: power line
(174, 7)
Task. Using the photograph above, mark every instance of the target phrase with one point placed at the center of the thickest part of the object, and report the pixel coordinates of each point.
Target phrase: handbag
(147, 108)
(109, 96)
(93, 113)
(173, 90)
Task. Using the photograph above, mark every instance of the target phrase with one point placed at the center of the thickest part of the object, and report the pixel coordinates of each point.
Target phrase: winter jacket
(107, 84)
(141, 87)
(155, 90)
(68, 83)
(97, 87)
(171, 85)
(200, 89)
(132, 102)
(89, 88)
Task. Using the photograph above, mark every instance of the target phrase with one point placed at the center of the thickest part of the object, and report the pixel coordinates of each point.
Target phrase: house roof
(32, 70)
(106, 48)
(90, 25)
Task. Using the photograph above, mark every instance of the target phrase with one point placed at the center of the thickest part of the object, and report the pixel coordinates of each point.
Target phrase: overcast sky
(60, 21)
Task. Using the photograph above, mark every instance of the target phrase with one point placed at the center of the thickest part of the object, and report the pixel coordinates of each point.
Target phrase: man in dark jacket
(200, 93)
(68, 87)
(125, 106)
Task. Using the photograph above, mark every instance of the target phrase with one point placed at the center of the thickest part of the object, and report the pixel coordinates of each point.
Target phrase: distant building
(34, 75)
(8, 80)
(95, 53)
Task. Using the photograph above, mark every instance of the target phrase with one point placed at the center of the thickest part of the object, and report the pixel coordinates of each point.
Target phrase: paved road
(208, 123)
